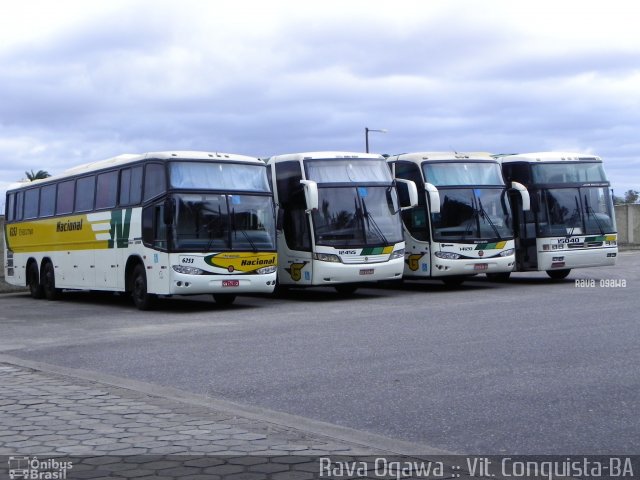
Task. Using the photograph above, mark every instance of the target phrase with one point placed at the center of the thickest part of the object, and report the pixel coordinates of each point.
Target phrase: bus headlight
(507, 253)
(326, 257)
(187, 270)
(266, 270)
(448, 255)
(397, 254)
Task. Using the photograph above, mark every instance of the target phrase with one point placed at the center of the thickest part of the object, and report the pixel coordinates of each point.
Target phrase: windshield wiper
(372, 221)
(235, 230)
(486, 217)
(575, 213)
(590, 211)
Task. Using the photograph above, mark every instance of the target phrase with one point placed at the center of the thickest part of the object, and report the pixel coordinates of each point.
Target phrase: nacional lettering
(258, 261)
(69, 226)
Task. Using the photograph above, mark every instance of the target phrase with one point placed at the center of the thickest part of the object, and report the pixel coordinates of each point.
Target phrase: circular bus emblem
(366, 259)
(480, 253)
(230, 268)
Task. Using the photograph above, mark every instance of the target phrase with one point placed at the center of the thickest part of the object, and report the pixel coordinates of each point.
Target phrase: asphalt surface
(528, 367)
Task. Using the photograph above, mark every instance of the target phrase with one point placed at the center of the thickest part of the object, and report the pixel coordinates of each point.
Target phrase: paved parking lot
(527, 367)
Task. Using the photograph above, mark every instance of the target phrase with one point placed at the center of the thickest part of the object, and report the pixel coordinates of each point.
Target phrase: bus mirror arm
(279, 218)
(169, 211)
(412, 190)
(524, 194)
(311, 194)
(434, 197)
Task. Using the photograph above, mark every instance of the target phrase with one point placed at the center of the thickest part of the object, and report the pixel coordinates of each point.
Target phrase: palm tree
(40, 174)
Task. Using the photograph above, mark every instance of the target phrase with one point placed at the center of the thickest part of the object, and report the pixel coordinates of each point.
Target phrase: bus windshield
(218, 176)
(469, 214)
(566, 172)
(443, 174)
(348, 170)
(358, 216)
(208, 222)
(575, 211)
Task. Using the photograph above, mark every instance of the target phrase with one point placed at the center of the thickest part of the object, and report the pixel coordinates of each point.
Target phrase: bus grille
(365, 259)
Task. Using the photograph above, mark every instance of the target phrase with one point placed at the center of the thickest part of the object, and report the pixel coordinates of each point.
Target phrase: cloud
(262, 78)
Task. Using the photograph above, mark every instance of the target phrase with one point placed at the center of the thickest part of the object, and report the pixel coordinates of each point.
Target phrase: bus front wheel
(49, 281)
(346, 289)
(142, 299)
(558, 274)
(224, 299)
(33, 279)
(498, 277)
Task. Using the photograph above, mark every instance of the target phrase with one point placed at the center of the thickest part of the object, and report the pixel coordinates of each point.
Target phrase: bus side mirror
(169, 211)
(524, 194)
(310, 194)
(434, 197)
(408, 193)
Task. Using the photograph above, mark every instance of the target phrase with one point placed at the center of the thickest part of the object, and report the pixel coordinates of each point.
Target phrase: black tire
(498, 277)
(224, 299)
(346, 289)
(453, 282)
(49, 281)
(33, 280)
(558, 274)
(142, 299)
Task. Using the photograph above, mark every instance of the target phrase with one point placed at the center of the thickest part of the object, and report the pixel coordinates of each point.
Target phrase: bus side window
(11, 203)
(85, 194)
(154, 230)
(131, 186)
(48, 201)
(31, 201)
(154, 180)
(107, 190)
(65, 197)
(19, 205)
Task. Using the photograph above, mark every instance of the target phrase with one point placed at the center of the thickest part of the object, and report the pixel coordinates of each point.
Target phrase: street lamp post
(366, 136)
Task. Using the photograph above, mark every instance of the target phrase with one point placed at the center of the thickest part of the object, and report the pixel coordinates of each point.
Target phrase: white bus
(462, 223)
(338, 219)
(168, 223)
(571, 223)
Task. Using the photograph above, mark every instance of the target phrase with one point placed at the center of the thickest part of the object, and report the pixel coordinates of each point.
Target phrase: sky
(83, 81)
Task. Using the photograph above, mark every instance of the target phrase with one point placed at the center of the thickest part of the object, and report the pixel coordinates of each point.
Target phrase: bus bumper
(568, 259)
(467, 266)
(182, 284)
(329, 273)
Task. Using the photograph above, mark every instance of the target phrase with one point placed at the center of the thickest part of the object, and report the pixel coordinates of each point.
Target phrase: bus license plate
(366, 271)
(481, 266)
(230, 283)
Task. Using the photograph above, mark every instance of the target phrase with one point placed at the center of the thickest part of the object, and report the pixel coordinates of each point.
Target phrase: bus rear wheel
(49, 281)
(558, 274)
(224, 299)
(142, 299)
(33, 279)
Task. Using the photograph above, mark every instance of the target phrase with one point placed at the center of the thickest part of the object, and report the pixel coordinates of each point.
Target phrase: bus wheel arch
(33, 280)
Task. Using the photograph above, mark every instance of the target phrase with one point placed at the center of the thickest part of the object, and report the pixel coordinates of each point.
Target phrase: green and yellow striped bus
(166, 223)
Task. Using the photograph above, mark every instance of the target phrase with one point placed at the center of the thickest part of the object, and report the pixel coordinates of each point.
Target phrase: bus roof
(321, 156)
(419, 157)
(128, 158)
(549, 157)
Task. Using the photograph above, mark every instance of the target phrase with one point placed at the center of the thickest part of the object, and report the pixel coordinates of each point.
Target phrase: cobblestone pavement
(107, 431)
